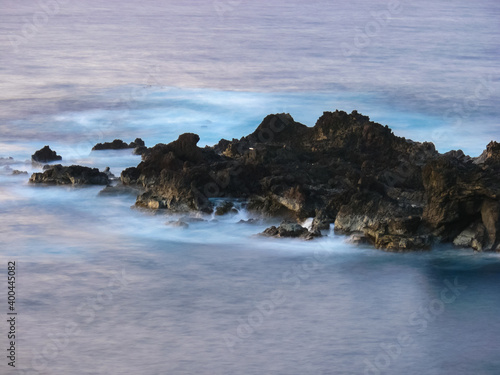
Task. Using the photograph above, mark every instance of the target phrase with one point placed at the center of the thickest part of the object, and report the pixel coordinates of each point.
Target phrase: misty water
(104, 288)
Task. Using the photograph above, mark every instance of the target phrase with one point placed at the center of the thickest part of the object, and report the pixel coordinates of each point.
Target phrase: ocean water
(103, 288)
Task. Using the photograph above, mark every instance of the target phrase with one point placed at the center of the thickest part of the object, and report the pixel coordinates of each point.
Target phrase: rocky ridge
(138, 145)
(72, 175)
(347, 170)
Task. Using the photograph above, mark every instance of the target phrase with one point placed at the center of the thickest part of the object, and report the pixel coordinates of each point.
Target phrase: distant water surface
(428, 58)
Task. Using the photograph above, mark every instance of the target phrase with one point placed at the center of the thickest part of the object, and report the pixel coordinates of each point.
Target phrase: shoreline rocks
(394, 193)
(291, 230)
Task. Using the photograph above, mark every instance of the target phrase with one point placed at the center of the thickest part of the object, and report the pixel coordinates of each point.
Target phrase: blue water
(107, 289)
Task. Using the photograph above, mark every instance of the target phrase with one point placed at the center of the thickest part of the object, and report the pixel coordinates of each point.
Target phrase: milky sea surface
(105, 288)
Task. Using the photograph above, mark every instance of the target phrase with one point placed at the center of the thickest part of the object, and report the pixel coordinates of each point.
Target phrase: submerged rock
(72, 175)
(177, 223)
(249, 221)
(45, 155)
(119, 189)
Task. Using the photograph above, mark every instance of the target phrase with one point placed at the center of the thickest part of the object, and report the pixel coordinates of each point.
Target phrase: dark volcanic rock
(171, 175)
(463, 201)
(395, 193)
(140, 150)
(292, 230)
(75, 175)
(321, 221)
(118, 144)
(138, 142)
(108, 173)
(490, 156)
(45, 155)
(383, 222)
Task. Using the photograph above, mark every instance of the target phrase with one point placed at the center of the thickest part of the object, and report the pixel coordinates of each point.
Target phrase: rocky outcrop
(291, 230)
(138, 146)
(45, 155)
(383, 222)
(463, 201)
(490, 156)
(171, 175)
(72, 175)
(387, 190)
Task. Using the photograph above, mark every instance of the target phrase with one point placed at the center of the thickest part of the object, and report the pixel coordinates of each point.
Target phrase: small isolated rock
(45, 155)
(291, 230)
(117, 144)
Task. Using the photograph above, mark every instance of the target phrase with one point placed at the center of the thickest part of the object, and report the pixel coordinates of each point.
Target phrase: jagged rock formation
(45, 155)
(396, 193)
(72, 175)
(138, 145)
(292, 230)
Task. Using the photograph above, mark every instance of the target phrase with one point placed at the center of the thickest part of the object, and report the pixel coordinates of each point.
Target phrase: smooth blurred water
(107, 289)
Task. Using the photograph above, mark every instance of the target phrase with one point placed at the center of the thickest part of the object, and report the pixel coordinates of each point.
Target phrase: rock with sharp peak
(45, 155)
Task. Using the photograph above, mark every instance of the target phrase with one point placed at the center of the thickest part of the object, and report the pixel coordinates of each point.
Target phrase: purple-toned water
(106, 289)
